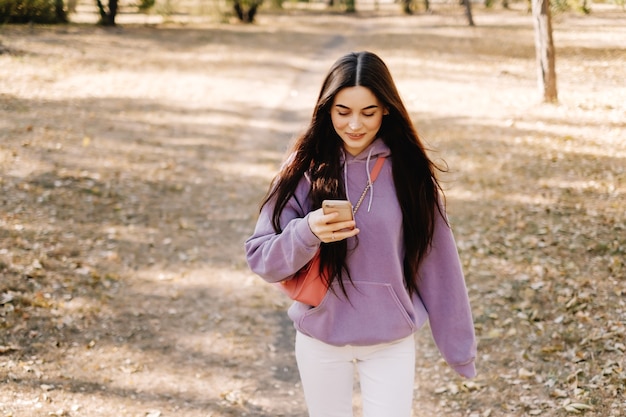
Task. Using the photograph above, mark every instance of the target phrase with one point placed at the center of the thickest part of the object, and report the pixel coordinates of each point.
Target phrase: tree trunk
(252, 12)
(244, 14)
(239, 11)
(59, 11)
(468, 12)
(112, 11)
(406, 7)
(544, 47)
(107, 17)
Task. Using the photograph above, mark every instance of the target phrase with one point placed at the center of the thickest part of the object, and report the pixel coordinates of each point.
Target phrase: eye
(369, 114)
(343, 113)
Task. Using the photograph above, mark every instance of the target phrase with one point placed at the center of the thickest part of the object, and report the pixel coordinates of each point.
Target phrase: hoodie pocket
(373, 314)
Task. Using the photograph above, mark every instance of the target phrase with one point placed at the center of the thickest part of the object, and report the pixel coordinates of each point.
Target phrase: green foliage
(165, 8)
(560, 6)
(35, 11)
(145, 5)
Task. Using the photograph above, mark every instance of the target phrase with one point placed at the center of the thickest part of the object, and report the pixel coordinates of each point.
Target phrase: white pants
(386, 375)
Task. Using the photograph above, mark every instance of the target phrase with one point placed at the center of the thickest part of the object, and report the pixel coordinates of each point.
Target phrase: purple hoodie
(379, 309)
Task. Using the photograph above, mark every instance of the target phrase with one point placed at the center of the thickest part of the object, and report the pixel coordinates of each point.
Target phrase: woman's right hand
(327, 230)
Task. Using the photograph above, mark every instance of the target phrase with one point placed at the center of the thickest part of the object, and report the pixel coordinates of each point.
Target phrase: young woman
(391, 268)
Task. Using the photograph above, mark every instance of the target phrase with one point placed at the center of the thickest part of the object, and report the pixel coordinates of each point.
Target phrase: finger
(339, 227)
(340, 235)
(328, 218)
(343, 225)
(347, 233)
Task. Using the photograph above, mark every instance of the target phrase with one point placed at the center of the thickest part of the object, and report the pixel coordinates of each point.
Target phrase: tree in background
(60, 12)
(107, 15)
(32, 11)
(468, 12)
(544, 47)
(408, 6)
(246, 9)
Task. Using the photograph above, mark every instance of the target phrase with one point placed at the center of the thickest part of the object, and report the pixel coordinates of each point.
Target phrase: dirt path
(133, 161)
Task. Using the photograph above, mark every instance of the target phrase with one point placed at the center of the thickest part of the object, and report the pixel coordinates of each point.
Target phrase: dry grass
(133, 161)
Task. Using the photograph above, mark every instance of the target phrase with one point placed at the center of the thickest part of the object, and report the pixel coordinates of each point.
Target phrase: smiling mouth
(355, 135)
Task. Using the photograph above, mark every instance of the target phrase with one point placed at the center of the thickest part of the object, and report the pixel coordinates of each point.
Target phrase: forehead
(357, 97)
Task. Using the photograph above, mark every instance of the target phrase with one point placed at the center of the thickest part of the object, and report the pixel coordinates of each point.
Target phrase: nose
(355, 124)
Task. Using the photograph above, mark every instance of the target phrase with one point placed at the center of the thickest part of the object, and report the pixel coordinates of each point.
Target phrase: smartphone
(343, 207)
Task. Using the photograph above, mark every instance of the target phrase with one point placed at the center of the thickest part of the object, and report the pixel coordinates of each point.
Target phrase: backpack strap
(377, 167)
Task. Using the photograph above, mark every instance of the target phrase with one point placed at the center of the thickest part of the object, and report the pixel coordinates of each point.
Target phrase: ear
(385, 111)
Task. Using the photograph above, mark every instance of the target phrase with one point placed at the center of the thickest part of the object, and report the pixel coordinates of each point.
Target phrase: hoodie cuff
(468, 370)
(305, 234)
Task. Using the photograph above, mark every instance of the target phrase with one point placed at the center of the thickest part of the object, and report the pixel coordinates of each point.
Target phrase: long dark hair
(317, 152)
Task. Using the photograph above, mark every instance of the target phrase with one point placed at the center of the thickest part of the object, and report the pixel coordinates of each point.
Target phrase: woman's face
(357, 115)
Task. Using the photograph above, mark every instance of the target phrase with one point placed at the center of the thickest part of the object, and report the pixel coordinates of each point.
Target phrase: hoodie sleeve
(442, 289)
(276, 256)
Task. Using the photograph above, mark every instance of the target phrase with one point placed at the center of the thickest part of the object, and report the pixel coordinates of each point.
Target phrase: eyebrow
(373, 106)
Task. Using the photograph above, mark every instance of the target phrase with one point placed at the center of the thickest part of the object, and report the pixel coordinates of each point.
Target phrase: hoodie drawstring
(370, 184)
